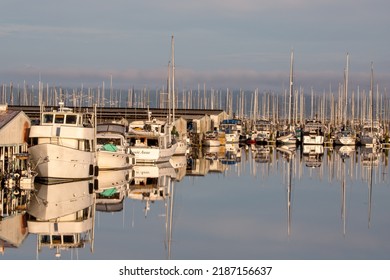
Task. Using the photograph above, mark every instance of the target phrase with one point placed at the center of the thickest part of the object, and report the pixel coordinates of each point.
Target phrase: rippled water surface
(229, 203)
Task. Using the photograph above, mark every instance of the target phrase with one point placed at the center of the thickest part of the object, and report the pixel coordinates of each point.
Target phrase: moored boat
(113, 152)
(63, 146)
(150, 141)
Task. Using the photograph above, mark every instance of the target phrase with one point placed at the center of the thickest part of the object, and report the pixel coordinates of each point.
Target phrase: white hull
(59, 163)
(287, 139)
(345, 140)
(313, 139)
(114, 160)
(153, 154)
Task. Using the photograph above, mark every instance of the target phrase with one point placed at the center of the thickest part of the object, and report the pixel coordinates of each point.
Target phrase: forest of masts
(329, 107)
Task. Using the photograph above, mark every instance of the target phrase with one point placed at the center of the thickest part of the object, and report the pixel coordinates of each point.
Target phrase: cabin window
(47, 118)
(103, 141)
(59, 119)
(153, 142)
(71, 119)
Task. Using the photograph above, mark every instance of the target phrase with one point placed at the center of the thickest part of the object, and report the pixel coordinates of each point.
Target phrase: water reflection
(62, 216)
(228, 202)
(111, 189)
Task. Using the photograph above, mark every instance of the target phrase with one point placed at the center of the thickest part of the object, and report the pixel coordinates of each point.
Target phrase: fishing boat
(150, 141)
(113, 151)
(63, 146)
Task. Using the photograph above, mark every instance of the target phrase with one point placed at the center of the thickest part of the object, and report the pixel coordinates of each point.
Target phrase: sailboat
(372, 132)
(287, 135)
(181, 147)
(346, 135)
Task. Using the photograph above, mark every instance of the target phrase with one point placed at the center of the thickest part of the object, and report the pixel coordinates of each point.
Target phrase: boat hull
(56, 163)
(313, 140)
(287, 139)
(345, 140)
(113, 160)
(153, 154)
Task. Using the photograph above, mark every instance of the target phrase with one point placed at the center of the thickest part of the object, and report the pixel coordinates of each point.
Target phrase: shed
(14, 129)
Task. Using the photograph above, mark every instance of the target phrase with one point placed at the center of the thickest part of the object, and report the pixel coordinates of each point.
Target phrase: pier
(109, 113)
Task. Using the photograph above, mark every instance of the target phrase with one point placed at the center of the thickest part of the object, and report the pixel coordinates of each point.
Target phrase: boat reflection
(312, 155)
(155, 184)
(262, 154)
(62, 216)
(288, 153)
(151, 183)
(112, 186)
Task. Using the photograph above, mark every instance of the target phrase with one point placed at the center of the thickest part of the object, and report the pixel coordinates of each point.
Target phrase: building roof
(6, 116)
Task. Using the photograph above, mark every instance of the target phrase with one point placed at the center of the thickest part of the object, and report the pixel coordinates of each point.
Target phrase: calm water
(233, 203)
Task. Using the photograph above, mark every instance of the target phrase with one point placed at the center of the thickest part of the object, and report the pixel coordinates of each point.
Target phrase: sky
(221, 44)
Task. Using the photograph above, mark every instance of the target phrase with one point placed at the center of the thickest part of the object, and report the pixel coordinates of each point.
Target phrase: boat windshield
(59, 118)
(47, 118)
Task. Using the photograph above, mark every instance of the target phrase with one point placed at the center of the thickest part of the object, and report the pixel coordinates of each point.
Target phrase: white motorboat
(150, 141)
(313, 133)
(113, 151)
(63, 146)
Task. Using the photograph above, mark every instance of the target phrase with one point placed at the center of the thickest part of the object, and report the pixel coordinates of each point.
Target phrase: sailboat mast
(346, 90)
(173, 77)
(291, 86)
(371, 95)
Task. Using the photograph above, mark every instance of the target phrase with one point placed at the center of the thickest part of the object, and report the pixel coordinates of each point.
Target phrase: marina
(206, 175)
